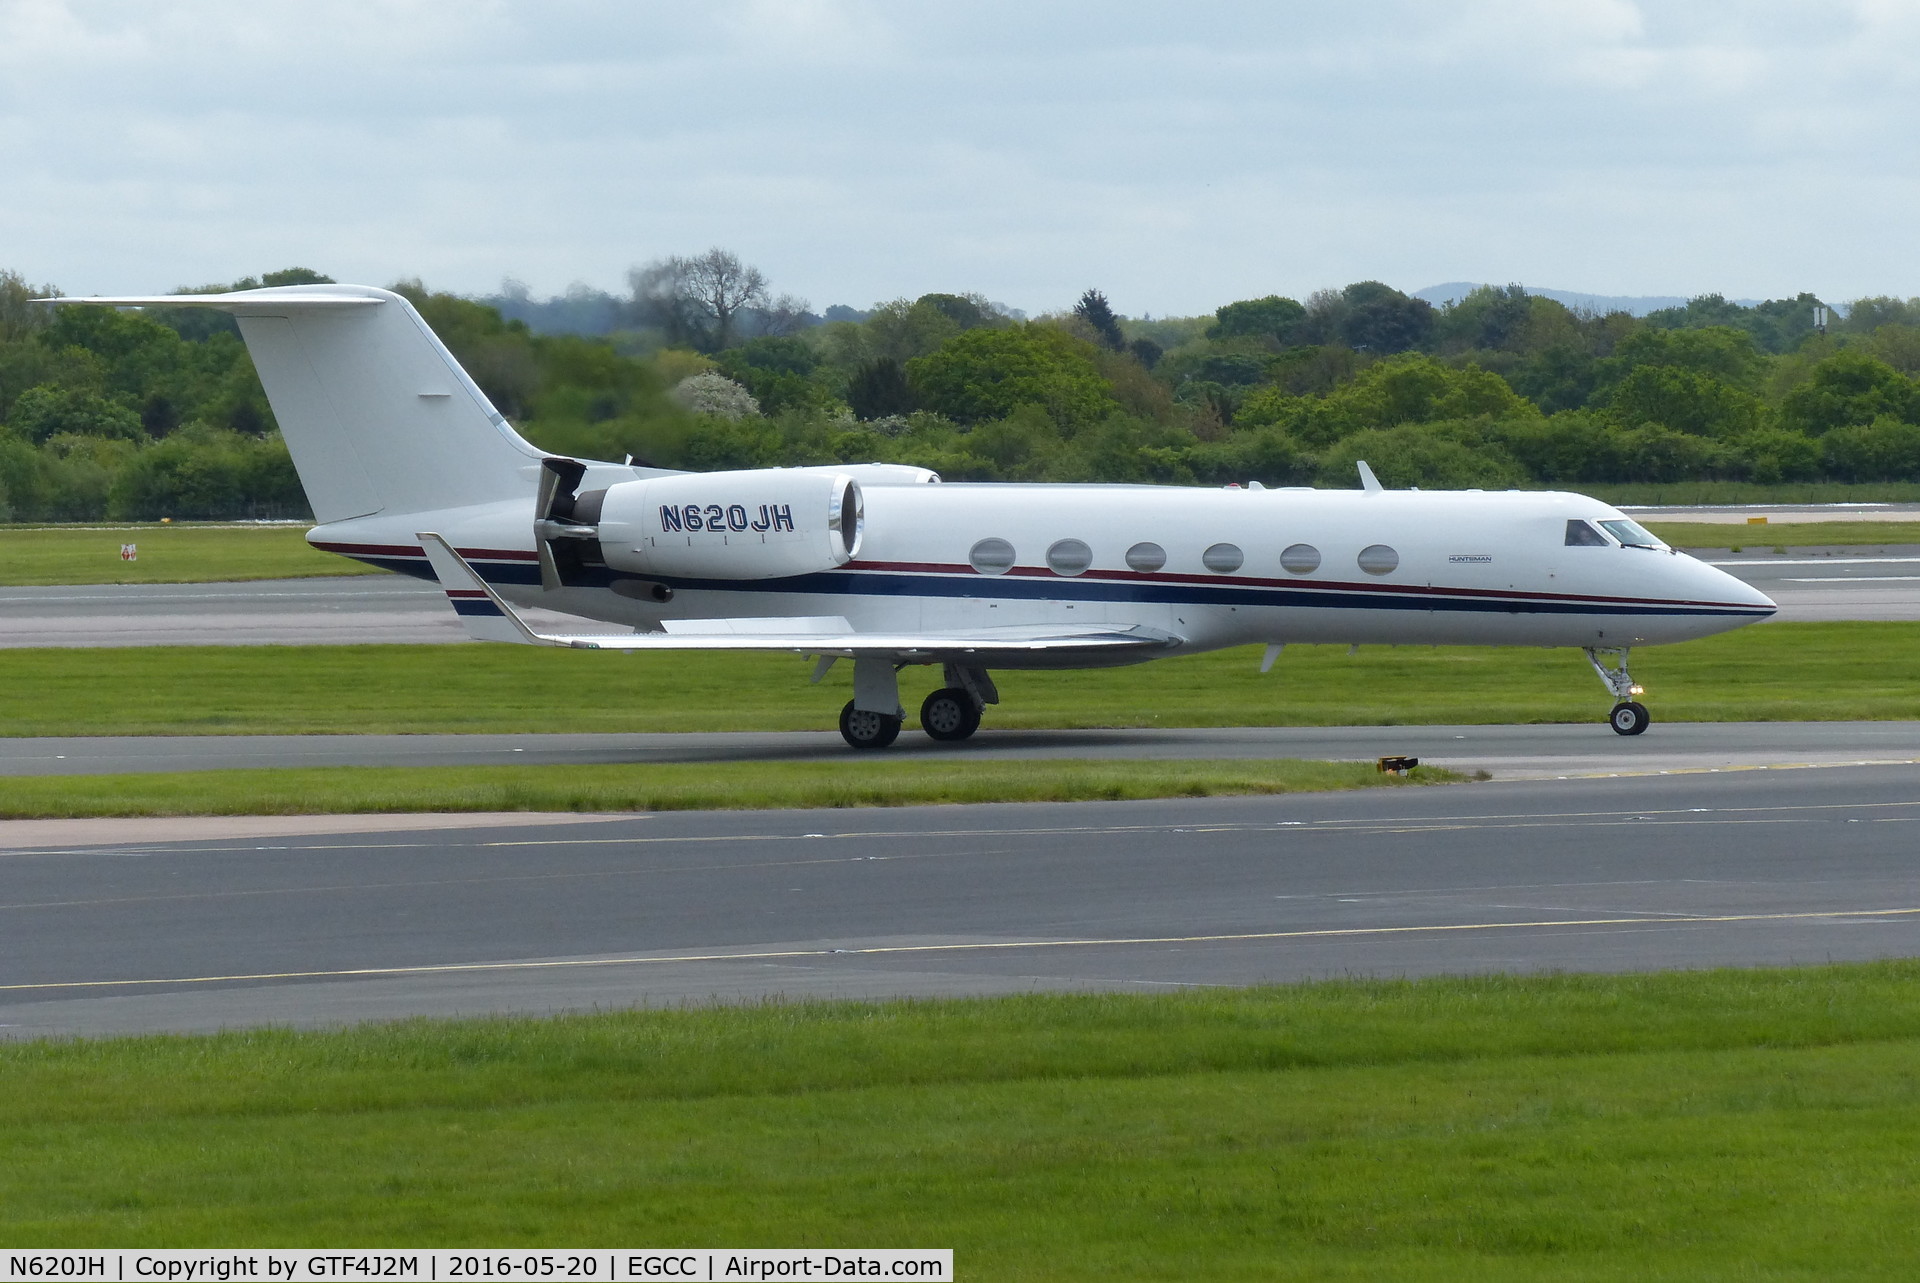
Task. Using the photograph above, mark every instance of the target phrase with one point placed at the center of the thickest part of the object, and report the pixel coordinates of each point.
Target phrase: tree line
(126, 415)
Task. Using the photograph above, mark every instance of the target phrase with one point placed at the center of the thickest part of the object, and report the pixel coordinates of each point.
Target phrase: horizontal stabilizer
(253, 302)
(488, 617)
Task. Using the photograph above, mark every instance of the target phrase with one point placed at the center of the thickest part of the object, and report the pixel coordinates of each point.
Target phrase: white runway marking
(1236, 937)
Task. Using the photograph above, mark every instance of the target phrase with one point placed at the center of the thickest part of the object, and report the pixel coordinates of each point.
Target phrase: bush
(202, 473)
(1419, 455)
(1884, 450)
(716, 395)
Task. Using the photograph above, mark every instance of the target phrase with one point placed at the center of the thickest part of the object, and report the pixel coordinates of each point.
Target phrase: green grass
(1732, 1124)
(670, 786)
(1691, 494)
(1777, 672)
(169, 554)
(1811, 534)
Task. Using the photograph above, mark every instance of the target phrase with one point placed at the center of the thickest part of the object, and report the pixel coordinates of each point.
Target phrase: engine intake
(760, 523)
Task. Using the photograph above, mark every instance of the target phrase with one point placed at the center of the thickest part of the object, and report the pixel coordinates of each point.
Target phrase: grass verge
(674, 786)
(1693, 494)
(1812, 534)
(1731, 1124)
(1776, 672)
(169, 554)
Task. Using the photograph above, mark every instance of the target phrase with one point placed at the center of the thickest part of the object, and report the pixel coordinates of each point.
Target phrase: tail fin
(377, 414)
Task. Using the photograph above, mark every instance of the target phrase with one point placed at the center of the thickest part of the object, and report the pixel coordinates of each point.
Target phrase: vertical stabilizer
(377, 414)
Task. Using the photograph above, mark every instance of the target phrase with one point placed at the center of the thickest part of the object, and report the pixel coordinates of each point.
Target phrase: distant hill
(1637, 305)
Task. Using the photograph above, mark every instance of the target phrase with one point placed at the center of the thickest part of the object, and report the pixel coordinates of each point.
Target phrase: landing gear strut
(1629, 716)
(872, 717)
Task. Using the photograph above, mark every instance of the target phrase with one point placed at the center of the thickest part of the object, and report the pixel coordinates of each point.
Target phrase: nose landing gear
(1629, 716)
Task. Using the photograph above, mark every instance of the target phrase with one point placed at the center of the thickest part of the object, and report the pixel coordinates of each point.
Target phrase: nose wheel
(1629, 718)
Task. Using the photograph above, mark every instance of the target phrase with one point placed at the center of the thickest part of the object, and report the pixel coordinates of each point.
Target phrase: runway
(1505, 752)
(578, 913)
(1809, 584)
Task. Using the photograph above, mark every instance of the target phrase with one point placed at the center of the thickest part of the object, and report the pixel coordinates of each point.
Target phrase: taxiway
(582, 912)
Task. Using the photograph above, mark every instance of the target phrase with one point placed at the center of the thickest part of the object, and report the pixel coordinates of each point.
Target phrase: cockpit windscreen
(1631, 533)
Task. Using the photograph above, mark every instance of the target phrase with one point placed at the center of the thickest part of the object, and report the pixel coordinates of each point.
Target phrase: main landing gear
(873, 717)
(1629, 716)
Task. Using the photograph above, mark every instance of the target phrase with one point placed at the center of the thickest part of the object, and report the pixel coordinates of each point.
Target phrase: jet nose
(1738, 592)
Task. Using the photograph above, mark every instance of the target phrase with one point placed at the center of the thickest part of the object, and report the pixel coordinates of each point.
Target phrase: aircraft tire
(949, 714)
(867, 730)
(1629, 718)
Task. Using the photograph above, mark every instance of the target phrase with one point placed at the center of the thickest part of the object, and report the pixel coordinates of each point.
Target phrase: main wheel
(862, 729)
(1629, 718)
(949, 714)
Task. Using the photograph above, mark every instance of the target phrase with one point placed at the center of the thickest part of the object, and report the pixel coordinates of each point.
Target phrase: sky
(1176, 157)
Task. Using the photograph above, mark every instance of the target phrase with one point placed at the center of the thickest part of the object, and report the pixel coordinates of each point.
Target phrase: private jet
(409, 467)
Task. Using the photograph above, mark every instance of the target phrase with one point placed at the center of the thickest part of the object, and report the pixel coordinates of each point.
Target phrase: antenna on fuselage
(1369, 482)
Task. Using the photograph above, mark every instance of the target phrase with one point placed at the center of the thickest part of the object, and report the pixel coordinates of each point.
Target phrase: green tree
(1683, 399)
(1272, 318)
(1098, 314)
(1487, 318)
(1418, 455)
(1887, 449)
(986, 374)
(1411, 388)
(1849, 389)
(45, 411)
(1725, 353)
(879, 388)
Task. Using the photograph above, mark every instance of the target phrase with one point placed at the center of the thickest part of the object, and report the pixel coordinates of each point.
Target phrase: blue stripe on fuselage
(884, 583)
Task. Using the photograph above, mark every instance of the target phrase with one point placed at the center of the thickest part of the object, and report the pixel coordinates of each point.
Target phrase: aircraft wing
(488, 617)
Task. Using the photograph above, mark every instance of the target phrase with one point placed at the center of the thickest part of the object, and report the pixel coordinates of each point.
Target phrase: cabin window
(1378, 559)
(1581, 534)
(1222, 558)
(1069, 557)
(1631, 533)
(1300, 559)
(991, 557)
(1146, 556)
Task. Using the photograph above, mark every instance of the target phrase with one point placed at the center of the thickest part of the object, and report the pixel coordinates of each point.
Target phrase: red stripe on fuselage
(1317, 585)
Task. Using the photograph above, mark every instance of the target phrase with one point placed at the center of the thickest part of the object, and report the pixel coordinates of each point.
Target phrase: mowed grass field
(168, 554)
(1773, 672)
(673, 786)
(1721, 1125)
(1793, 534)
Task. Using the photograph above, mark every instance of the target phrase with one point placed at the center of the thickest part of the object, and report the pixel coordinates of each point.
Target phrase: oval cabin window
(1069, 557)
(1300, 559)
(1146, 556)
(1222, 558)
(1378, 559)
(991, 557)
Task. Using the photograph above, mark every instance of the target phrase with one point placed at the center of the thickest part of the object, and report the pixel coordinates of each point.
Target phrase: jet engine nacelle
(761, 523)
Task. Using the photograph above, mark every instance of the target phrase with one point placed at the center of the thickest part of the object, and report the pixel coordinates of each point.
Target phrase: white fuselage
(1458, 567)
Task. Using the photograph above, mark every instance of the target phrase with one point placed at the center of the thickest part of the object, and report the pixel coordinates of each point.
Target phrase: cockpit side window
(1631, 534)
(1581, 534)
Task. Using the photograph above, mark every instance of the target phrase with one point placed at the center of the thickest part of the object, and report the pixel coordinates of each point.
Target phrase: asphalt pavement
(1505, 752)
(581, 913)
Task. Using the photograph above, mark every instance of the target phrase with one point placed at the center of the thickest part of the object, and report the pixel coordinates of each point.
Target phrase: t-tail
(377, 414)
